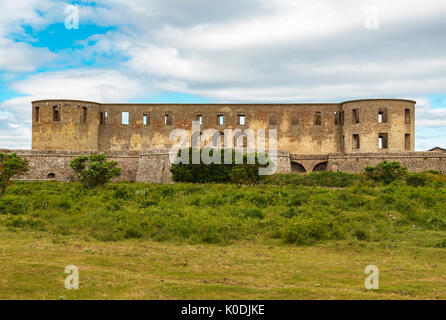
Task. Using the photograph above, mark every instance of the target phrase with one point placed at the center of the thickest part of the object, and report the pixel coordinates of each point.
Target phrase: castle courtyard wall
(154, 165)
(414, 161)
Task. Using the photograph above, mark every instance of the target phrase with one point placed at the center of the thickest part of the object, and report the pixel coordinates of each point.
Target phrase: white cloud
(17, 55)
(14, 134)
(280, 50)
(82, 84)
(93, 84)
(293, 22)
(426, 116)
(21, 57)
(238, 50)
(15, 14)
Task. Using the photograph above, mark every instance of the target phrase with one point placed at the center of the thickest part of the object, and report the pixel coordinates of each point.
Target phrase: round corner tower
(65, 125)
(378, 125)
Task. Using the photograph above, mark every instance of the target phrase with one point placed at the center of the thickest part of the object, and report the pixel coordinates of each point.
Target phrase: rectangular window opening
(336, 118)
(168, 121)
(407, 116)
(84, 114)
(356, 144)
(383, 141)
(145, 119)
(382, 116)
(56, 113)
(317, 118)
(294, 119)
(199, 118)
(125, 118)
(37, 114)
(272, 118)
(241, 119)
(407, 141)
(220, 119)
(355, 116)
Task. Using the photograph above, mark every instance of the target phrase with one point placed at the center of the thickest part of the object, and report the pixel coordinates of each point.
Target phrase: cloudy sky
(222, 51)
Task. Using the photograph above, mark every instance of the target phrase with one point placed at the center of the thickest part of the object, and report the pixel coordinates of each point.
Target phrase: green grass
(282, 240)
(33, 265)
(222, 213)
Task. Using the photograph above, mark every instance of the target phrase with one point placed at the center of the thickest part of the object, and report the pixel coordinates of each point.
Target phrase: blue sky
(200, 51)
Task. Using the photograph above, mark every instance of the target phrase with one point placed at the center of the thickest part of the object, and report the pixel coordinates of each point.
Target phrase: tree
(10, 166)
(386, 172)
(95, 170)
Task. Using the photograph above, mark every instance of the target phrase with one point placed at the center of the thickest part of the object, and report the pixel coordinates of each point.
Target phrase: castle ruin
(343, 136)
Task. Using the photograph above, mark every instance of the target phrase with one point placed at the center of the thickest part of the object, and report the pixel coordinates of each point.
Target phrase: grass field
(184, 241)
(33, 265)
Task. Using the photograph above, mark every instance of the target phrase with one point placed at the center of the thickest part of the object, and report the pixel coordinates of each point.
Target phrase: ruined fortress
(345, 136)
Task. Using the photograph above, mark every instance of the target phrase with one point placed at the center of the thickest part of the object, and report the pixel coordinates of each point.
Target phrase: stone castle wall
(313, 128)
(147, 166)
(55, 165)
(414, 161)
(154, 166)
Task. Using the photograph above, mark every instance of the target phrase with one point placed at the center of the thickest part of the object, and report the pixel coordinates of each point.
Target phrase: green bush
(95, 170)
(10, 165)
(362, 235)
(386, 172)
(200, 172)
(305, 231)
(417, 180)
(441, 244)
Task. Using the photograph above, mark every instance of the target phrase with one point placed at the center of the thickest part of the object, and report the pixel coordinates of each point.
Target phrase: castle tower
(378, 125)
(65, 125)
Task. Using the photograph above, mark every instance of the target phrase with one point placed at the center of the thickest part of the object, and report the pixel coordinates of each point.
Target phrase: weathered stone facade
(344, 136)
(309, 129)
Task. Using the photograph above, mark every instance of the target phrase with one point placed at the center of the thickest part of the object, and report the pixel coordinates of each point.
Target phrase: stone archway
(297, 167)
(321, 166)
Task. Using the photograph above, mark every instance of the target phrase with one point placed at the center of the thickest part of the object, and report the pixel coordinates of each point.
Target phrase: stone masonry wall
(55, 165)
(414, 161)
(154, 166)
